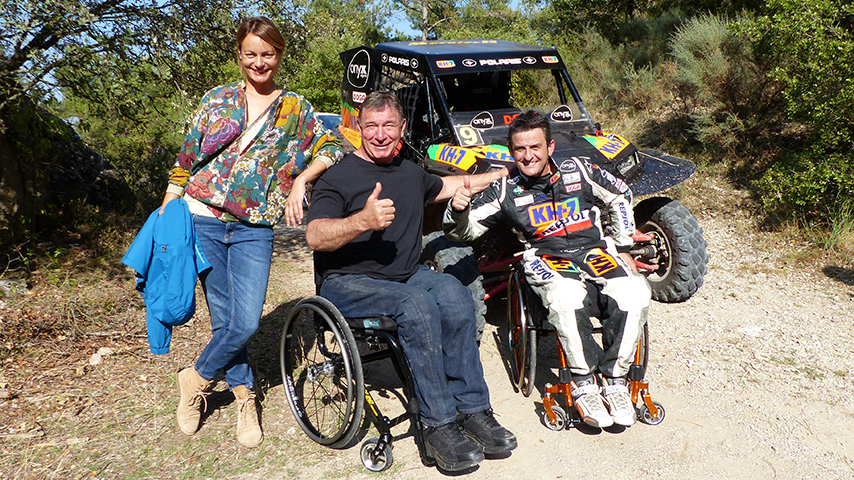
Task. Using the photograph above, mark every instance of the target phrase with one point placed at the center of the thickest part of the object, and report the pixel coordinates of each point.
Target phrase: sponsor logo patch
(568, 166)
(359, 97)
(403, 62)
(624, 217)
(483, 121)
(500, 61)
(550, 59)
(540, 270)
(357, 70)
(522, 201)
(567, 212)
(529, 60)
(573, 187)
(572, 177)
(468, 62)
(517, 190)
(560, 264)
(445, 64)
(509, 118)
(600, 262)
(561, 114)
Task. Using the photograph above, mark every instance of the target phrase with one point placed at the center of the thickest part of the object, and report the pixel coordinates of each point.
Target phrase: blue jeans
(436, 328)
(235, 289)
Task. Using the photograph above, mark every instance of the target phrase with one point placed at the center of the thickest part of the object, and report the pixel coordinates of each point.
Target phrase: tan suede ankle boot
(249, 432)
(192, 388)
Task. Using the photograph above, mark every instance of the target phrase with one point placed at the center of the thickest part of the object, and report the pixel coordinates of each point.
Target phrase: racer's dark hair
(529, 121)
(380, 100)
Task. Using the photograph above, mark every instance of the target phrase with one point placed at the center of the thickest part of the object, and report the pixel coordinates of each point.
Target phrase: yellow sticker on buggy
(609, 144)
(465, 157)
(351, 135)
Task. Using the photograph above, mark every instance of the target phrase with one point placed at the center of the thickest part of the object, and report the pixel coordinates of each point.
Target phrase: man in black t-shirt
(365, 224)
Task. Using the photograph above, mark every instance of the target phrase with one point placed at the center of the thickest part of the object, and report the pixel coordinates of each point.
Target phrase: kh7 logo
(566, 212)
(600, 262)
(464, 158)
(610, 144)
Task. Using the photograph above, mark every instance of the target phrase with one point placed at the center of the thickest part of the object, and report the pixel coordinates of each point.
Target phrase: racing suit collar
(547, 178)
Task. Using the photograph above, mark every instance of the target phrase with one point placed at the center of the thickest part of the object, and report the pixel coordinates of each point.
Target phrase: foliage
(812, 44)
(486, 19)
(45, 36)
(332, 26)
(726, 89)
(427, 15)
(809, 184)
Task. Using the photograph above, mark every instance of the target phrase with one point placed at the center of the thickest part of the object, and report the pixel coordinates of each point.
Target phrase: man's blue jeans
(436, 328)
(235, 289)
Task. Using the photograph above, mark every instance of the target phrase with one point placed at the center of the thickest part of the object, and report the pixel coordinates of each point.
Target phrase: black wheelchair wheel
(373, 460)
(322, 372)
(521, 337)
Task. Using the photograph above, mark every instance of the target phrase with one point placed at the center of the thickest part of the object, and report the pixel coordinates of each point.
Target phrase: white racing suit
(558, 222)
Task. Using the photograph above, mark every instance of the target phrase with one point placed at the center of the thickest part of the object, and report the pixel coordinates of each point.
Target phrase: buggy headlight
(628, 164)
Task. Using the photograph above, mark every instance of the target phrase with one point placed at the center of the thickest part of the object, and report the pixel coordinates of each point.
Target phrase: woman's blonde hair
(266, 30)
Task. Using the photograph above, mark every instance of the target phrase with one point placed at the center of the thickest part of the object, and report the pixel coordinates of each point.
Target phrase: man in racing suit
(552, 207)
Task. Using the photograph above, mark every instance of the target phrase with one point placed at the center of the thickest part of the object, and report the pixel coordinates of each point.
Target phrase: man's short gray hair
(380, 100)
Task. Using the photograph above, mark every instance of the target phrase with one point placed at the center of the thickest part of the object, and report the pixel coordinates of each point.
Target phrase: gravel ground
(755, 373)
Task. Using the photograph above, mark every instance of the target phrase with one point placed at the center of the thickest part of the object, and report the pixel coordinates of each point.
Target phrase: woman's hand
(293, 208)
(166, 199)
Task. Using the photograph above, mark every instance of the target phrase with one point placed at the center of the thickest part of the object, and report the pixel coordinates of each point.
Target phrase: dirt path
(755, 372)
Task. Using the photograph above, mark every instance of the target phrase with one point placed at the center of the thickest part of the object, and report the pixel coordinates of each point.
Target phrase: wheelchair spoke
(321, 373)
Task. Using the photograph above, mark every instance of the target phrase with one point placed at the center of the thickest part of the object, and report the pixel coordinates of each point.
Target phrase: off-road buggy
(459, 97)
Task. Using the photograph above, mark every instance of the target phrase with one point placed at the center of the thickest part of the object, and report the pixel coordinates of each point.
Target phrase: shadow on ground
(840, 274)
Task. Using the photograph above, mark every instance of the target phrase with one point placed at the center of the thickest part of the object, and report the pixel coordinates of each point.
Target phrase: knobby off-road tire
(683, 259)
(457, 259)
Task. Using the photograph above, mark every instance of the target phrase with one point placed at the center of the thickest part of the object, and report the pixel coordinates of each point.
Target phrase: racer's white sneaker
(585, 395)
(619, 402)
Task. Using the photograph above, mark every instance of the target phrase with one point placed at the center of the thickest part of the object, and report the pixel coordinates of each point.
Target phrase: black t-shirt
(389, 254)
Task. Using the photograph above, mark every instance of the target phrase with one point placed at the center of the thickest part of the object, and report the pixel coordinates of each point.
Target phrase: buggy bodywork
(459, 97)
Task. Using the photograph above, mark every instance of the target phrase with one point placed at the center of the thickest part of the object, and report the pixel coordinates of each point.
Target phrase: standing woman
(243, 166)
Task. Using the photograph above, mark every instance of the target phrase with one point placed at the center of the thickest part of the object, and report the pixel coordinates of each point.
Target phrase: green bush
(808, 185)
(727, 89)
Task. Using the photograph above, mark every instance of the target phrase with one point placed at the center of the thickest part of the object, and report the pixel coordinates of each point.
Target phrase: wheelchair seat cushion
(380, 322)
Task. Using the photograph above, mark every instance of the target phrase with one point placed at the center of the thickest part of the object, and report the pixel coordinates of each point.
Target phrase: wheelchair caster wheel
(560, 419)
(373, 460)
(646, 416)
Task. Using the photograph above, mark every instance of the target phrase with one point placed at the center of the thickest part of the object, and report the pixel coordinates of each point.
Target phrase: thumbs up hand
(462, 196)
(378, 213)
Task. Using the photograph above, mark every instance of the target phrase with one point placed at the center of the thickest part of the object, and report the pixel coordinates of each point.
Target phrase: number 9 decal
(468, 136)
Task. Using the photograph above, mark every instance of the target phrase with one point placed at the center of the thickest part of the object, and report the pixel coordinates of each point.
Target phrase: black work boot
(483, 429)
(450, 449)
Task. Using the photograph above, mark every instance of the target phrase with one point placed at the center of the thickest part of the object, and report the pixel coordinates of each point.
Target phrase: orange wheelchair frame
(526, 322)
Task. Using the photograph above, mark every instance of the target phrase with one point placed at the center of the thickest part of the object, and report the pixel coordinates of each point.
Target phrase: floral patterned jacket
(252, 185)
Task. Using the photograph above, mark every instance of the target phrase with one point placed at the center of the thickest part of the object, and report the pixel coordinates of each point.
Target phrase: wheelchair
(324, 382)
(527, 321)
